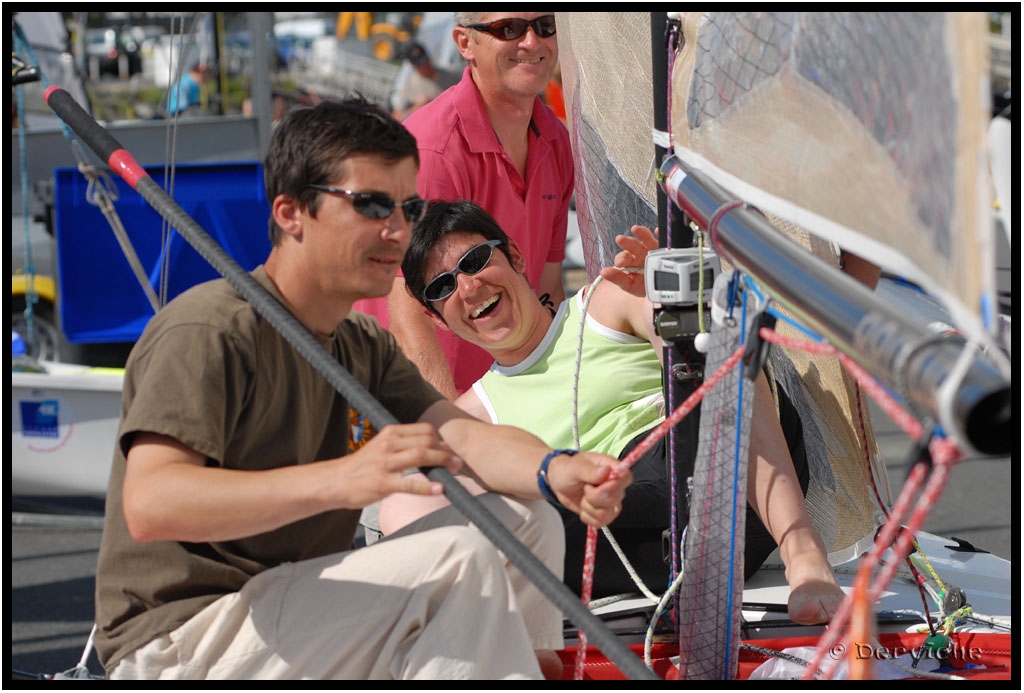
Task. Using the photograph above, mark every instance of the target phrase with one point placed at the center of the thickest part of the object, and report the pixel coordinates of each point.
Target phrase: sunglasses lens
(374, 206)
(441, 287)
(414, 210)
(475, 260)
(512, 29)
(545, 26)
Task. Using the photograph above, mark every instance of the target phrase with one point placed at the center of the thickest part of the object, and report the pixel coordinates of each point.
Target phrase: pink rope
(944, 455)
(837, 626)
(892, 409)
(656, 434)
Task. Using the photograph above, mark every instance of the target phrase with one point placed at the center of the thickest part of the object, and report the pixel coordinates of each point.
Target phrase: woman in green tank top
(469, 278)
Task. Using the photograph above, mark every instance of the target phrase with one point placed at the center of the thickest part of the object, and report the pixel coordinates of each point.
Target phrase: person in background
(491, 139)
(416, 87)
(467, 276)
(187, 92)
(238, 478)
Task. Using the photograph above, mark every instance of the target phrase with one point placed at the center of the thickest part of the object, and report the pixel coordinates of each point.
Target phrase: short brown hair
(310, 145)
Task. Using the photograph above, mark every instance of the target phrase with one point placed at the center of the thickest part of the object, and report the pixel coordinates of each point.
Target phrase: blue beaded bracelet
(542, 476)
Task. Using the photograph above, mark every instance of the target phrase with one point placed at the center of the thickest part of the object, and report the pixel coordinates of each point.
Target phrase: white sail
(867, 130)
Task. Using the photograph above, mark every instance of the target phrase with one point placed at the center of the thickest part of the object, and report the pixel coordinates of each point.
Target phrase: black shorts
(646, 513)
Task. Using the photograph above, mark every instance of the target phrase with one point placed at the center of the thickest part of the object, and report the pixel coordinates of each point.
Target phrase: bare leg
(400, 509)
(814, 595)
(773, 490)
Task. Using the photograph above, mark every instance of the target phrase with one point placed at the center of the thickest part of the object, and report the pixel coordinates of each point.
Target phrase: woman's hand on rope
(589, 485)
(627, 272)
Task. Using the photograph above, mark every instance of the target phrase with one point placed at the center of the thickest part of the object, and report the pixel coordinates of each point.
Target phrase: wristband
(542, 476)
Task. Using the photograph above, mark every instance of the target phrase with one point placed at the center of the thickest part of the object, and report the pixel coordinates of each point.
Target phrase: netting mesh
(609, 102)
(711, 590)
(865, 128)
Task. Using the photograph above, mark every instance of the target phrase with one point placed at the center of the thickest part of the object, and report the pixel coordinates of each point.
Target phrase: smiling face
(495, 308)
(518, 68)
(331, 258)
(357, 254)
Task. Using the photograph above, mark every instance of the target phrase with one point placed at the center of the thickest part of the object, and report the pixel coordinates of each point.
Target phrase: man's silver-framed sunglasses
(374, 205)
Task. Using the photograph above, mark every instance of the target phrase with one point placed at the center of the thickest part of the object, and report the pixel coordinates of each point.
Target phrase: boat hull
(986, 581)
(974, 656)
(63, 429)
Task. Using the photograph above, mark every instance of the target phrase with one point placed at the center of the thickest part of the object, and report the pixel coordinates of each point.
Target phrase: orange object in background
(553, 98)
(553, 95)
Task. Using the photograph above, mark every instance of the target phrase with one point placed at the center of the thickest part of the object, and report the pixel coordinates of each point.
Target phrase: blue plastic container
(100, 299)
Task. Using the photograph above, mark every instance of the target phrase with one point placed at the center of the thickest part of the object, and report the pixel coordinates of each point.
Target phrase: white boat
(63, 427)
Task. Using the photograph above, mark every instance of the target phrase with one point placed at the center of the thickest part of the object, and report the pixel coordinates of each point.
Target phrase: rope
(656, 434)
(898, 414)
(775, 654)
(31, 295)
(660, 609)
(944, 454)
(919, 579)
(675, 558)
(637, 580)
(170, 150)
(100, 191)
(590, 551)
(590, 547)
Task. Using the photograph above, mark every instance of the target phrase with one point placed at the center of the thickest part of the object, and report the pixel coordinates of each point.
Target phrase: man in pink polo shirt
(492, 140)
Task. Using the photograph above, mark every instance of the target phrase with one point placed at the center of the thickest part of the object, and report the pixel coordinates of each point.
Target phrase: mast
(684, 365)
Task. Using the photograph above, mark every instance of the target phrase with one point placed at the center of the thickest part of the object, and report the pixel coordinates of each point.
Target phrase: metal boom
(898, 348)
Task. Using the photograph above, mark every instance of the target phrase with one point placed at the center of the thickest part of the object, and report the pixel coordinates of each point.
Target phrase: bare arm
(625, 307)
(773, 488)
(505, 459)
(417, 337)
(170, 494)
(551, 284)
(469, 402)
(399, 509)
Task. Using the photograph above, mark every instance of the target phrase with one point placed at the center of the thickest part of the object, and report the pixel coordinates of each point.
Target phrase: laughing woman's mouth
(485, 307)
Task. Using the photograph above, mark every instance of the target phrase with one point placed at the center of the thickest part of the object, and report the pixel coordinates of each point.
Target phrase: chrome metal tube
(896, 347)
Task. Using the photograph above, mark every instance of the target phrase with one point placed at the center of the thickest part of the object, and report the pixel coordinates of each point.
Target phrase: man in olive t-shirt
(235, 493)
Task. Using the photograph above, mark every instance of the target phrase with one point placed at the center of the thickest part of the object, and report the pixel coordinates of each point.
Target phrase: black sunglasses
(476, 258)
(378, 205)
(511, 29)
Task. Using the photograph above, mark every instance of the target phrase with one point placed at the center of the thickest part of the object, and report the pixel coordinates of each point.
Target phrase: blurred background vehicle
(117, 51)
(101, 50)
